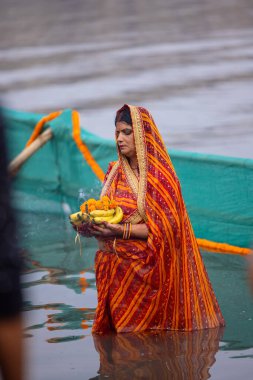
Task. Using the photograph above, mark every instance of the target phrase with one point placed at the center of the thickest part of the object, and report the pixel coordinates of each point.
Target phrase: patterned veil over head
(160, 283)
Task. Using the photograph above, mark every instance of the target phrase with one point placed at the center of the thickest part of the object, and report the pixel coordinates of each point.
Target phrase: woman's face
(125, 139)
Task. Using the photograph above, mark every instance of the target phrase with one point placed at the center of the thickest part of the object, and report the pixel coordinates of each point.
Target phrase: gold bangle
(130, 230)
(114, 246)
(124, 231)
(125, 234)
(127, 229)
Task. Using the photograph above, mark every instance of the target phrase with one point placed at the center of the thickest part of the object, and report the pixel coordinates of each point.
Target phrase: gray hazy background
(189, 62)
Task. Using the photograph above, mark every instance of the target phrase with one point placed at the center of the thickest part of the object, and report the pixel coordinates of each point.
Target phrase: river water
(189, 62)
(59, 306)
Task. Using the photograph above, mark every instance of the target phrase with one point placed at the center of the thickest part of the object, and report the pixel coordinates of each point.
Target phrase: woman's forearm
(138, 231)
(126, 230)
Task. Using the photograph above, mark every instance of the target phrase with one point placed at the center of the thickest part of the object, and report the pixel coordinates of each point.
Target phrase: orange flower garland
(76, 136)
(83, 148)
(222, 247)
(105, 203)
(39, 126)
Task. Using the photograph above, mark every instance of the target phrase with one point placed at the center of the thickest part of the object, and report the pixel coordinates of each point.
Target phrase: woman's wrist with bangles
(125, 234)
(127, 229)
(124, 231)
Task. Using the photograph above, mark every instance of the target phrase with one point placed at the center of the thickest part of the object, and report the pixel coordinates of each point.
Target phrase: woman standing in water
(149, 271)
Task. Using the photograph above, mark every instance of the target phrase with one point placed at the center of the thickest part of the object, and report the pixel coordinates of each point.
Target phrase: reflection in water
(157, 355)
(60, 301)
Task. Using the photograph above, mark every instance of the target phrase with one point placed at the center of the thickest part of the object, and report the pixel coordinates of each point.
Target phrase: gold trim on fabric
(110, 179)
(140, 145)
(156, 131)
(134, 218)
(130, 176)
(154, 127)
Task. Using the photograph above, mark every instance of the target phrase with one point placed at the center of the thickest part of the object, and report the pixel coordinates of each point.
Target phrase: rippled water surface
(60, 300)
(190, 62)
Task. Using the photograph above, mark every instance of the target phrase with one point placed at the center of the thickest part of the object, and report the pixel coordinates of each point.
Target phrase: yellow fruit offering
(78, 218)
(98, 211)
(102, 213)
(117, 218)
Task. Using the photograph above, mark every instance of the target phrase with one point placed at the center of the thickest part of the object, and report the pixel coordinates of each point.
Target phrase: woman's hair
(124, 116)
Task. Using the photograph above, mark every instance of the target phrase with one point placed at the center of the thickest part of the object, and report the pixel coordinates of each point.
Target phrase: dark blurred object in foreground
(10, 266)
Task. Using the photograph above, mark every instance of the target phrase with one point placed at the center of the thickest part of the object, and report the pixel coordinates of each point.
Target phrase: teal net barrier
(218, 191)
(219, 198)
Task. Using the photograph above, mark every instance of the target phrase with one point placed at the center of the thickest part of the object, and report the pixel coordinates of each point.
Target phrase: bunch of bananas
(113, 216)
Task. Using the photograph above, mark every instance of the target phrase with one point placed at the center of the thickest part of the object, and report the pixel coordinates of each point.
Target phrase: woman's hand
(83, 229)
(106, 230)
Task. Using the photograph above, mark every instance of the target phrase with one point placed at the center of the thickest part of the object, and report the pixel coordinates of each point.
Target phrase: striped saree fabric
(160, 283)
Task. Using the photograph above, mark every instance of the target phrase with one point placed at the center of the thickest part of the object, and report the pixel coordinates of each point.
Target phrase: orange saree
(160, 283)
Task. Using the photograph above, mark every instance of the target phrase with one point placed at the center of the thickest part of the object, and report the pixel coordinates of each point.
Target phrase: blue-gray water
(189, 62)
(60, 301)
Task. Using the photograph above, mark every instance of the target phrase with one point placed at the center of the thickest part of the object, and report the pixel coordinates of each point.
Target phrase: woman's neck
(133, 162)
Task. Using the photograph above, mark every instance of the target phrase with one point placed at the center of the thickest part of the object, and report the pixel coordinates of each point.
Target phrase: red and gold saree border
(135, 217)
(110, 179)
(140, 145)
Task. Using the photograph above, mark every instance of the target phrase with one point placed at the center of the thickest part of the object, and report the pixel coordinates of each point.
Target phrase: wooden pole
(16, 164)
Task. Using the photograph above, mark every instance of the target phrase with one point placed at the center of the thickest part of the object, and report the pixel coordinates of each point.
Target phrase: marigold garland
(105, 203)
(39, 126)
(76, 136)
(83, 148)
(222, 247)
